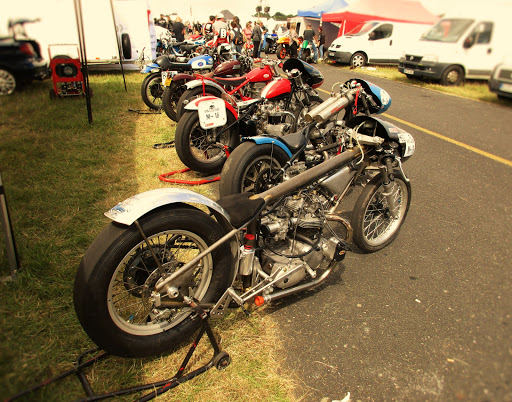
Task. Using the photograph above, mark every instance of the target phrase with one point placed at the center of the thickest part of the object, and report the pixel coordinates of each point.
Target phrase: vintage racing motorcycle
(168, 252)
(210, 128)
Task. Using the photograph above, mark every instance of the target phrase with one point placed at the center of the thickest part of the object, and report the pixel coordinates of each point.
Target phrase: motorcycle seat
(173, 66)
(240, 216)
(187, 47)
(294, 141)
(233, 82)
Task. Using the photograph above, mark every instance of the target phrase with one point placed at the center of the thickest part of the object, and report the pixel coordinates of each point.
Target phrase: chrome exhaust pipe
(313, 112)
(333, 109)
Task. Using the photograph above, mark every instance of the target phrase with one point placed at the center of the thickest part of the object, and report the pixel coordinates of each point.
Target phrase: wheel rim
(378, 224)
(205, 145)
(7, 83)
(452, 77)
(129, 297)
(154, 91)
(256, 177)
(358, 61)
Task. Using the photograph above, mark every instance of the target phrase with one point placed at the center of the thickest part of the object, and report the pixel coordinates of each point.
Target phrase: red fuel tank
(276, 88)
(231, 67)
(260, 74)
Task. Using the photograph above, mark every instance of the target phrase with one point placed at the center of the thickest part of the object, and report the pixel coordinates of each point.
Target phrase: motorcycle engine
(274, 119)
(294, 239)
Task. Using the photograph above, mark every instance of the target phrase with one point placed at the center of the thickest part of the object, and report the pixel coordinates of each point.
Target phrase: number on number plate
(212, 113)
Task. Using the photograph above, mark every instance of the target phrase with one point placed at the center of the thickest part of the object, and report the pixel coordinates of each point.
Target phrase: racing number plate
(212, 113)
(167, 77)
(408, 71)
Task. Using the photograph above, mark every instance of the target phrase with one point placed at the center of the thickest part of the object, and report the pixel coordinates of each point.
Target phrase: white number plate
(506, 87)
(407, 139)
(212, 113)
(167, 77)
(408, 71)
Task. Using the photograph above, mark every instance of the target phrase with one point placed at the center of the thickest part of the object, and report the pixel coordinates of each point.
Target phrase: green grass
(60, 174)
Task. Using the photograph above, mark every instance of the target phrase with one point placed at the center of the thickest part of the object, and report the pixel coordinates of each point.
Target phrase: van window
(382, 32)
(481, 34)
(361, 29)
(447, 30)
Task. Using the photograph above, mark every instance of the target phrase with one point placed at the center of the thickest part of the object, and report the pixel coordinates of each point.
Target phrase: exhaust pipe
(313, 112)
(334, 108)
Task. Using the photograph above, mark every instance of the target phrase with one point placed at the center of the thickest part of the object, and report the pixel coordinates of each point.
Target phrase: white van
(380, 42)
(458, 47)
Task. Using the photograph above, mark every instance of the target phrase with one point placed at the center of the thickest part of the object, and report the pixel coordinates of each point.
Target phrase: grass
(60, 174)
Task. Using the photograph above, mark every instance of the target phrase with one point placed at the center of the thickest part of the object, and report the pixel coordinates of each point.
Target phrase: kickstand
(220, 360)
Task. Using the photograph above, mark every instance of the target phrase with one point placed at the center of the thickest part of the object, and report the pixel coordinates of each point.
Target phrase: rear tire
(7, 82)
(190, 94)
(113, 285)
(200, 149)
(170, 98)
(126, 46)
(374, 227)
(281, 52)
(249, 168)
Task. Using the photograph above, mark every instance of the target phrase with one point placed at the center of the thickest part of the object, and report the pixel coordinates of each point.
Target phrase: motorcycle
(171, 254)
(152, 87)
(175, 88)
(283, 47)
(259, 161)
(210, 128)
(307, 53)
(270, 43)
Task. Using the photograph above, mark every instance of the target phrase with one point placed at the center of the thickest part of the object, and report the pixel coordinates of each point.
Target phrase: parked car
(21, 60)
(501, 79)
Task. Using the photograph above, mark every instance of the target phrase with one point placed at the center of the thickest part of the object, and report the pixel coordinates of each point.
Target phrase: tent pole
(118, 44)
(83, 56)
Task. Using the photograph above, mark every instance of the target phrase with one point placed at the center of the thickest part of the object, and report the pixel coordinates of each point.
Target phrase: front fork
(388, 177)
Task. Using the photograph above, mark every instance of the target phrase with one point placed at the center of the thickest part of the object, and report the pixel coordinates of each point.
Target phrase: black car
(21, 60)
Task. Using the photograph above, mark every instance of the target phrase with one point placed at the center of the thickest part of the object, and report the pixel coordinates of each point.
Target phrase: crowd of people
(252, 34)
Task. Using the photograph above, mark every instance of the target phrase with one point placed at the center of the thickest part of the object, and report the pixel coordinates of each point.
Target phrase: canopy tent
(391, 10)
(328, 6)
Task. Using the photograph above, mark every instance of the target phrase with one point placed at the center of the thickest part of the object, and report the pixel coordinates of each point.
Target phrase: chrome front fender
(207, 83)
(131, 209)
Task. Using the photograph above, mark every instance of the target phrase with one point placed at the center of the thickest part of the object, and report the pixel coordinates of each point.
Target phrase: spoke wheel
(374, 226)
(152, 91)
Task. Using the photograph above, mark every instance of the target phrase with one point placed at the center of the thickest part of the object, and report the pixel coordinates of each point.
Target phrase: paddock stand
(220, 360)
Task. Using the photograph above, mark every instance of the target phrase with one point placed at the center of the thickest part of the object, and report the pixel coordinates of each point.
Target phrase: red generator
(67, 76)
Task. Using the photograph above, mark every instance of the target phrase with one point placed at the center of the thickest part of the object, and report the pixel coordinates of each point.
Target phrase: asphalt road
(429, 317)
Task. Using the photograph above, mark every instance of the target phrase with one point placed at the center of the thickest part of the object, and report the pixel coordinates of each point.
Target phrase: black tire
(200, 149)
(452, 76)
(249, 167)
(358, 59)
(113, 285)
(126, 46)
(374, 228)
(193, 93)
(152, 91)
(267, 48)
(170, 98)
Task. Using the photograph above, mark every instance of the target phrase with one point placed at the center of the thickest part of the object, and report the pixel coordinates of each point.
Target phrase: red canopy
(389, 10)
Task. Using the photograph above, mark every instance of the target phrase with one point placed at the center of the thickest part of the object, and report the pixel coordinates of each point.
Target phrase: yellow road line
(460, 144)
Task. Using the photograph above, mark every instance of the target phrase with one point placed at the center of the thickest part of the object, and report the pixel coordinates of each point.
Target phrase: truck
(377, 42)
(459, 46)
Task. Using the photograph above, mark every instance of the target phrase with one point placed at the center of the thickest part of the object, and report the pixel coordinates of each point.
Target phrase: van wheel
(452, 76)
(358, 60)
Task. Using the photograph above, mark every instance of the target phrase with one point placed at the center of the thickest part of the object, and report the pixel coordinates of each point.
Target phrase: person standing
(294, 40)
(321, 42)
(221, 29)
(237, 37)
(257, 35)
(248, 31)
(310, 36)
(179, 29)
(208, 28)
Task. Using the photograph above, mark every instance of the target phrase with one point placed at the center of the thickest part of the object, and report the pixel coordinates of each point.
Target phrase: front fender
(194, 104)
(207, 83)
(183, 76)
(259, 140)
(131, 209)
